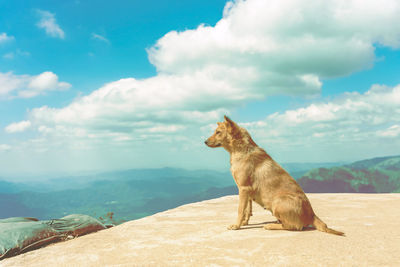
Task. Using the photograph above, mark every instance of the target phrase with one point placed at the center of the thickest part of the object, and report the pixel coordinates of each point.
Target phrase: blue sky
(99, 85)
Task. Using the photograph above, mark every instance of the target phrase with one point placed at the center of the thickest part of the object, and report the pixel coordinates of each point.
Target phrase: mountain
(298, 169)
(133, 194)
(7, 187)
(129, 194)
(377, 175)
(12, 187)
(80, 181)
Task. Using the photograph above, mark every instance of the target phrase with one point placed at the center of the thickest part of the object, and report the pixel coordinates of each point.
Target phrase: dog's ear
(228, 120)
(231, 126)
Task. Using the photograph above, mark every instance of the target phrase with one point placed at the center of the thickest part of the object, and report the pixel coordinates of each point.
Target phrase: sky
(100, 85)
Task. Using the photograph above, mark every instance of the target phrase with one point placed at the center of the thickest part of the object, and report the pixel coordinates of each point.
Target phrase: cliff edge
(196, 235)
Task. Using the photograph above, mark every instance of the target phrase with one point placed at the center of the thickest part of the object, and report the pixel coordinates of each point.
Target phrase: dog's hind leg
(279, 226)
(274, 226)
(291, 211)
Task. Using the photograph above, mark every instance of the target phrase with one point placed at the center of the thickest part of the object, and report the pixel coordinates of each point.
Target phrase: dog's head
(224, 134)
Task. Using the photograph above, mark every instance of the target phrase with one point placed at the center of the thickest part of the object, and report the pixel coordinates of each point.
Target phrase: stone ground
(196, 235)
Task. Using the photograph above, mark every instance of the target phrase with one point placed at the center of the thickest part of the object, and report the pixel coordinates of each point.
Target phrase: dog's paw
(273, 226)
(233, 227)
(245, 222)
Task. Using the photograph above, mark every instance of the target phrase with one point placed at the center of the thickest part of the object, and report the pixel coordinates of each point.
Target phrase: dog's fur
(262, 180)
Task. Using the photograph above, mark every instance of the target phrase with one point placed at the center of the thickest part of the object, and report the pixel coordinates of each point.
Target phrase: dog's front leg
(248, 212)
(244, 193)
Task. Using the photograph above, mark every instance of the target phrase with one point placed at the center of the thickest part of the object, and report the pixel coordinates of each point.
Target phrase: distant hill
(132, 194)
(377, 175)
(129, 194)
(7, 187)
(298, 169)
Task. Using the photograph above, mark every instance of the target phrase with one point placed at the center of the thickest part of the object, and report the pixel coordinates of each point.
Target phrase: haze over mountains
(133, 194)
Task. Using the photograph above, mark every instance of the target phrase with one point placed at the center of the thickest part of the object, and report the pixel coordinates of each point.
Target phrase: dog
(262, 180)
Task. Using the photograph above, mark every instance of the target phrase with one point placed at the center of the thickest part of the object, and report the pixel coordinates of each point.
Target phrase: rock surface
(196, 235)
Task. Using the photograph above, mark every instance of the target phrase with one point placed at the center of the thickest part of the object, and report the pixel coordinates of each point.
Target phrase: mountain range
(377, 175)
(128, 194)
(132, 194)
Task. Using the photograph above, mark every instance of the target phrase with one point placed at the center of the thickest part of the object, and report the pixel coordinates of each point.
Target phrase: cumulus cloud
(27, 86)
(351, 120)
(10, 82)
(18, 127)
(141, 108)
(287, 46)
(5, 38)
(49, 24)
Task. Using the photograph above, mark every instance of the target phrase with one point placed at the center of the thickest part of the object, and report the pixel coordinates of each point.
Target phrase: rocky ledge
(196, 235)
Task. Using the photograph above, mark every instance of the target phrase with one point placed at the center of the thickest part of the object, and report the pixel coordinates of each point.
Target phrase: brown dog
(261, 179)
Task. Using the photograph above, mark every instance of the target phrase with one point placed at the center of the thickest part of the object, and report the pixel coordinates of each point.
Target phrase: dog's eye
(218, 132)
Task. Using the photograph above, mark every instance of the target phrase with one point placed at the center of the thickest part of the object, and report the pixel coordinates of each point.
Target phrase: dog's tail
(321, 226)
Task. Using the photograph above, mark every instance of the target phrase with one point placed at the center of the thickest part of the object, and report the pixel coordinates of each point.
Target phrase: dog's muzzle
(211, 145)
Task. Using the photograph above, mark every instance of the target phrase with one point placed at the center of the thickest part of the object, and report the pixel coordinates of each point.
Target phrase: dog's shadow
(261, 225)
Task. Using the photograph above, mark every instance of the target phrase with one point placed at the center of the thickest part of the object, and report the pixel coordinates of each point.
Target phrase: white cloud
(100, 37)
(350, 122)
(18, 127)
(392, 131)
(316, 113)
(48, 23)
(5, 147)
(377, 107)
(287, 46)
(5, 38)
(47, 81)
(150, 105)
(26, 86)
(10, 82)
